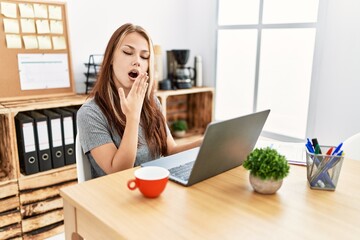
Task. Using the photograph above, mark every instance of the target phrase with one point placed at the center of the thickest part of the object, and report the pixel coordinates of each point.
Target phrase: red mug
(151, 181)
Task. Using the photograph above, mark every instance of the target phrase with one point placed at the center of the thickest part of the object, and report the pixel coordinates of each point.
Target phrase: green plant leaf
(267, 163)
(179, 125)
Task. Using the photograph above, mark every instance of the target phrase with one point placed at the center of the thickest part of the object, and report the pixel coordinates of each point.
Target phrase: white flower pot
(179, 134)
(264, 186)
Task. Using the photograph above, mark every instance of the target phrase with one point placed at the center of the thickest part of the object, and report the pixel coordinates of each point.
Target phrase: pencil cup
(323, 170)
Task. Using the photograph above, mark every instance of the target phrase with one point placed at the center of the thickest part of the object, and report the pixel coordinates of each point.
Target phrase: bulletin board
(35, 59)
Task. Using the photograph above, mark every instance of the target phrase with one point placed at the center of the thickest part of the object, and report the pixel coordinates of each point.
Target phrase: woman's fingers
(141, 83)
(144, 89)
(121, 94)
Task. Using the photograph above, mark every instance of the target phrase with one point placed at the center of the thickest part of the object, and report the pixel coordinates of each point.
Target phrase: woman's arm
(173, 147)
(112, 159)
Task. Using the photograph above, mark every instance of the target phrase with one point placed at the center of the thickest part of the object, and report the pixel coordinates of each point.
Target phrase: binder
(55, 136)
(73, 110)
(26, 144)
(67, 123)
(42, 140)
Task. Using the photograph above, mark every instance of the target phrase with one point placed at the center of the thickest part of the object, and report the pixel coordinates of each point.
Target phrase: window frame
(259, 27)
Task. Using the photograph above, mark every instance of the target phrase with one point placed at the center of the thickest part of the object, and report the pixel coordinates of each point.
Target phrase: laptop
(226, 145)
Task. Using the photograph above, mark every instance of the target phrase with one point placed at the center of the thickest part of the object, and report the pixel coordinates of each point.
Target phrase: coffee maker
(182, 76)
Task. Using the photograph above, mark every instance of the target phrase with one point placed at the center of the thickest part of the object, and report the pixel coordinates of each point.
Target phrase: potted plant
(179, 128)
(267, 169)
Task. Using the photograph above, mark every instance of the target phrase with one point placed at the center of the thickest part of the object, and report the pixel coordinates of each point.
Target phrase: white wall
(335, 100)
(171, 23)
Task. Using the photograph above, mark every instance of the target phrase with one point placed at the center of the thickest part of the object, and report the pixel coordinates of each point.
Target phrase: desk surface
(222, 207)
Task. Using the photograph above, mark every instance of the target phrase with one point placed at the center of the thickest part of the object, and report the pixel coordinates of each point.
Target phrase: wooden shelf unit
(30, 206)
(195, 105)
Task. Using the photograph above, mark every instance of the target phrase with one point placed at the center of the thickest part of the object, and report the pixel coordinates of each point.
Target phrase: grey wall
(335, 100)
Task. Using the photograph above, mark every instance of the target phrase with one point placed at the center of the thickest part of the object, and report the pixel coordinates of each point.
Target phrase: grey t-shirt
(94, 130)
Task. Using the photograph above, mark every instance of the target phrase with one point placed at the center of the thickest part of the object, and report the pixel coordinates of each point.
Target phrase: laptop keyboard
(182, 171)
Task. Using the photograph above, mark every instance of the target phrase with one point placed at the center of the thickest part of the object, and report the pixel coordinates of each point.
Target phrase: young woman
(122, 125)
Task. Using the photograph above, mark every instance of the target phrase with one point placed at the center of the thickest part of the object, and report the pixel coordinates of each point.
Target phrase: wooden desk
(222, 207)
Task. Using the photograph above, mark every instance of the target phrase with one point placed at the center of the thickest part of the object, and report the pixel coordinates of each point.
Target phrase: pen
(309, 146)
(328, 154)
(337, 149)
(315, 143)
(329, 151)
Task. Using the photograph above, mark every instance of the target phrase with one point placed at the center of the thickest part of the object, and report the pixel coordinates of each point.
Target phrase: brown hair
(106, 95)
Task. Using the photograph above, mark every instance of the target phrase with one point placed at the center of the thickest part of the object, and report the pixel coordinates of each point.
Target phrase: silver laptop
(226, 145)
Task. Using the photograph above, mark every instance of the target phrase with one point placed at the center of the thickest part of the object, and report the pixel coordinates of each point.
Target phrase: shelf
(195, 105)
(92, 70)
(190, 136)
(30, 205)
(44, 103)
(10, 219)
(92, 64)
(166, 93)
(91, 75)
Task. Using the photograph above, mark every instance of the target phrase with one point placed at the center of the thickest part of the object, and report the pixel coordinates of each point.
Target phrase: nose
(136, 61)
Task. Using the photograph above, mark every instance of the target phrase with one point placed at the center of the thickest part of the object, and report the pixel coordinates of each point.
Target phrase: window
(265, 54)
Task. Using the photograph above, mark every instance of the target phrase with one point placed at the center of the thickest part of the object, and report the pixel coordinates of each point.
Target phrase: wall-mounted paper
(26, 10)
(43, 71)
(42, 26)
(13, 41)
(8, 9)
(40, 11)
(55, 12)
(11, 25)
(59, 43)
(44, 42)
(30, 42)
(27, 25)
(56, 27)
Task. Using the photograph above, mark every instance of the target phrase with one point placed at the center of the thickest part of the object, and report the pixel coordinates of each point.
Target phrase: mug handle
(130, 185)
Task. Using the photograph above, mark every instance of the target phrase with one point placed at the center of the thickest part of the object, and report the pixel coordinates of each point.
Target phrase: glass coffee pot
(184, 76)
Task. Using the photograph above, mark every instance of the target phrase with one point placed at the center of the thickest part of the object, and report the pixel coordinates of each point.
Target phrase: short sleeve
(93, 127)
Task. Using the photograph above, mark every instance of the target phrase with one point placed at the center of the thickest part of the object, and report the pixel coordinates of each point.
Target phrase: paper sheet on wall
(55, 12)
(59, 43)
(44, 42)
(26, 10)
(30, 42)
(42, 26)
(13, 41)
(8, 9)
(27, 25)
(40, 11)
(43, 71)
(295, 153)
(11, 25)
(56, 27)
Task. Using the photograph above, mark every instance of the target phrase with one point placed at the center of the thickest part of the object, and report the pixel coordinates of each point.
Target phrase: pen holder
(323, 170)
